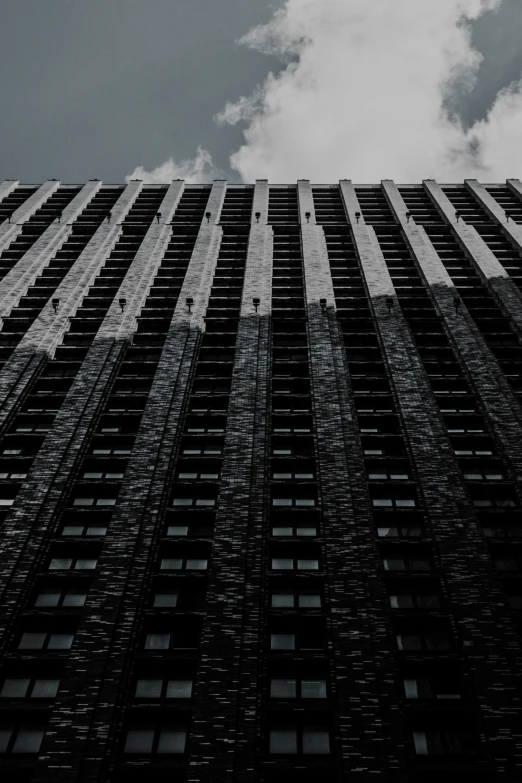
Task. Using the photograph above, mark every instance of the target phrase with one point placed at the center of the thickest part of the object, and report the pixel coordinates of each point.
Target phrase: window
(53, 598)
(208, 450)
(392, 476)
(415, 601)
(73, 564)
(287, 599)
(436, 743)
(293, 564)
(504, 531)
(100, 475)
(29, 687)
(184, 564)
(84, 502)
(178, 530)
(484, 476)
(295, 430)
(24, 738)
(201, 476)
(40, 640)
(294, 531)
(89, 531)
(13, 475)
(306, 638)
(410, 562)
(284, 688)
(507, 561)
(6, 501)
(306, 740)
(296, 502)
(429, 688)
(473, 452)
(187, 502)
(282, 641)
(185, 638)
(290, 476)
(150, 739)
(165, 600)
(115, 452)
(411, 531)
(494, 503)
(433, 640)
(394, 502)
(163, 689)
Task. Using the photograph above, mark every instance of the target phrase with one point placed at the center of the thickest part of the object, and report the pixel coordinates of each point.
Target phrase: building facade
(260, 482)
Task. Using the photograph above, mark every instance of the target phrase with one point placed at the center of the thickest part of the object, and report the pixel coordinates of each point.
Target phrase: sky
(244, 89)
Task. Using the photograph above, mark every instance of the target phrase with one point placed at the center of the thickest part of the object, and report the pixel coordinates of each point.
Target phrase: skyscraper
(260, 476)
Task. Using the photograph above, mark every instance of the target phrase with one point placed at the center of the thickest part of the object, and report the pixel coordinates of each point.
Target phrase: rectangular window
(153, 739)
(163, 689)
(293, 740)
(24, 687)
(42, 641)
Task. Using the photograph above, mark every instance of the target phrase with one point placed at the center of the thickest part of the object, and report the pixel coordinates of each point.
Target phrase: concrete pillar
(7, 187)
(232, 630)
(10, 231)
(515, 186)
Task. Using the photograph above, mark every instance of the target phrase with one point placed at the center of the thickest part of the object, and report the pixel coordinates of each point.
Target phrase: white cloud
(362, 96)
(242, 110)
(194, 170)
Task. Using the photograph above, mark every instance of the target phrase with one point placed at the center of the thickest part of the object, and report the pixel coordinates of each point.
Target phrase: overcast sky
(96, 88)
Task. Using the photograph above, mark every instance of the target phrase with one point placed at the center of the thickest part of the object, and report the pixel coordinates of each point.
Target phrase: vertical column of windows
(491, 493)
(298, 708)
(495, 327)
(408, 572)
(385, 450)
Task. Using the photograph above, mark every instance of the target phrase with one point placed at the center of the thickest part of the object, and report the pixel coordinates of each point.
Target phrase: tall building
(261, 476)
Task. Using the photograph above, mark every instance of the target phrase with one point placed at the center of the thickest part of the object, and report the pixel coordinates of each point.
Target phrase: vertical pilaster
(489, 268)
(512, 230)
(460, 546)
(495, 394)
(515, 186)
(7, 187)
(16, 282)
(10, 230)
(225, 713)
(113, 610)
(46, 332)
(360, 644)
